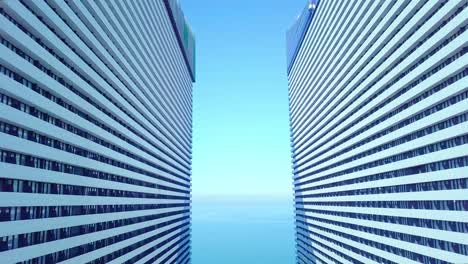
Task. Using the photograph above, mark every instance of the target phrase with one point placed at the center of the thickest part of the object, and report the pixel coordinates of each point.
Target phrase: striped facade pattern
(95, 133)
(379, 132)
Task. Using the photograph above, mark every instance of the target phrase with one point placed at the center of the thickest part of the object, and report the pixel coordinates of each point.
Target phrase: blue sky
(242, 208)
(241, 130)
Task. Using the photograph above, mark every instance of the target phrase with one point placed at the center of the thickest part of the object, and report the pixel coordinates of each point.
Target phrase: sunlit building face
(95, 132)
(379, 131)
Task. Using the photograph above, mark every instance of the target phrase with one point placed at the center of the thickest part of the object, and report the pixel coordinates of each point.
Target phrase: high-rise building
(95, 131)
(379, 131)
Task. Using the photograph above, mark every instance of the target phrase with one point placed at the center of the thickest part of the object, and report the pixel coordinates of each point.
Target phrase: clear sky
(241, 131)
(241, 148)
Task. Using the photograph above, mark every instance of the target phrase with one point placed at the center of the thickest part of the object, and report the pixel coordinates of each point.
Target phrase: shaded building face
(379, 131)
(95, 132)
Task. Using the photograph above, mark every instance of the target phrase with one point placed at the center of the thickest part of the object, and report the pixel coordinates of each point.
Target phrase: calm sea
(242, 230)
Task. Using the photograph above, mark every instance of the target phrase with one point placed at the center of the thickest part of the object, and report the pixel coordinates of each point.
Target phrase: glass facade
(185, 35)
(296, 33)
(378, 98)
(95, 132)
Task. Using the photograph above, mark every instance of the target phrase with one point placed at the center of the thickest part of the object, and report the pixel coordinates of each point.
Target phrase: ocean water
(232, 230)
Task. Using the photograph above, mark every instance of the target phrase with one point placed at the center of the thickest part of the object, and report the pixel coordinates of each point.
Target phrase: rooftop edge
(296, 33)
(185, 36)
